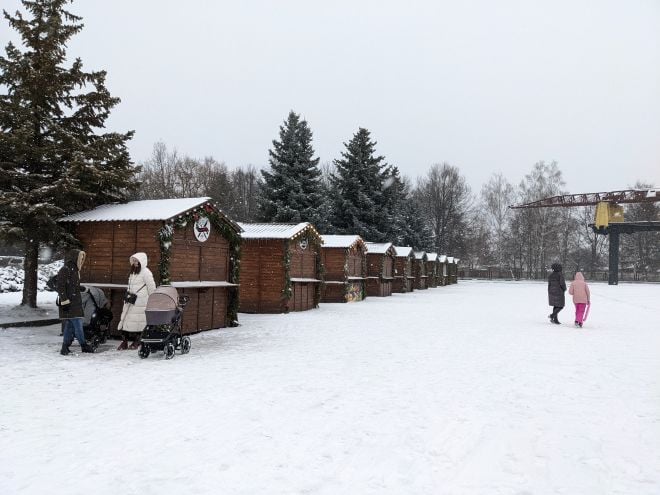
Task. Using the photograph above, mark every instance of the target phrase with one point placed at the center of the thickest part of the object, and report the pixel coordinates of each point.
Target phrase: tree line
(360, 193)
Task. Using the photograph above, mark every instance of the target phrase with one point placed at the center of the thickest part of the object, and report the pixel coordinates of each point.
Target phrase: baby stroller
(96, 332)
(97, 328)
(163, 330)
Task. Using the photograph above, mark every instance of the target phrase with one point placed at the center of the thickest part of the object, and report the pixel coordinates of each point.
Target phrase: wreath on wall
(166, 234)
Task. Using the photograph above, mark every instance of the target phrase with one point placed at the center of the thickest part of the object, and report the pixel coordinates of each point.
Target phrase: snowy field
(466, 389)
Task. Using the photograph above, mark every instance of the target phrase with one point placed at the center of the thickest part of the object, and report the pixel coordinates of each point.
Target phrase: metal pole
(614, 257)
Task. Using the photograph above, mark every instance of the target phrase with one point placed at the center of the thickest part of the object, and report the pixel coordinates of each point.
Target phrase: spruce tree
(53, 159)
(360, 205)
(292, 190)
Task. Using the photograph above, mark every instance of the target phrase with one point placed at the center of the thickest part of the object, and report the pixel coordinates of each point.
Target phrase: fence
(518, 274)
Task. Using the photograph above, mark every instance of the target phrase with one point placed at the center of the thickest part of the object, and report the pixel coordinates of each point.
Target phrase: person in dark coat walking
(556, 289)
(70, 301)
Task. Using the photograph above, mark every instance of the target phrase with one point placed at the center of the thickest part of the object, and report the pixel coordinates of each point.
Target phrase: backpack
(51, 283)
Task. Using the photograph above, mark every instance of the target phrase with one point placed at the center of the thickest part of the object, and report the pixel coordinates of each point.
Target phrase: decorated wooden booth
(443, 270)
(280, 267)
(344, 260)
(453, 270)
(432, 269)
(380, 269)
(190, 244)
(419, 270)
(403, 269)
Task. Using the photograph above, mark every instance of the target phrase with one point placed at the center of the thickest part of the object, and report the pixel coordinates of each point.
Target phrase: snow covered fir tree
(292, 190)
(53, 156)
(360, 204)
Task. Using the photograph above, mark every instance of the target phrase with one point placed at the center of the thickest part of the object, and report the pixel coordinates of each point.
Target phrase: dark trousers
(556, 310)
(73, 326)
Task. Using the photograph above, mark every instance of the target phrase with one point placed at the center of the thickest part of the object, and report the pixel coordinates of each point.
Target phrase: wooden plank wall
(303, 261)
(194, 260)
(303, 296)
(333, 263)
(262, 276)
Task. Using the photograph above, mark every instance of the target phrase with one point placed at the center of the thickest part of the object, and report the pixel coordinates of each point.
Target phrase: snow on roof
(341, 241)
(151, 209)
(419, 255)
(432, 256)
(450, 259)
(379, 247)
(403, 250)
(273, 230)
(442, 258)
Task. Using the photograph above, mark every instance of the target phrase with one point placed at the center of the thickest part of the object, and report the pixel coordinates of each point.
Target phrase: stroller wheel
(95, 343)
(144, 351)
(185, 345)
(169, 351)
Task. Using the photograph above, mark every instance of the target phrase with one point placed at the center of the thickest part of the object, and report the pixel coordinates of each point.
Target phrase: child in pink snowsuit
(581, 297)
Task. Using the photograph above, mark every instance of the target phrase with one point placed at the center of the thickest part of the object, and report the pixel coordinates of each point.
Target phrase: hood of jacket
(579, 276)
(74, 257)
(141, 257)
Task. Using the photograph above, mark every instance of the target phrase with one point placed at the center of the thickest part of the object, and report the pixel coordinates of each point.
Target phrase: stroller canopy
(164, 298)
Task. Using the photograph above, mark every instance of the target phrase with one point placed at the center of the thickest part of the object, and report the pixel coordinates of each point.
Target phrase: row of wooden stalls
(225, 267)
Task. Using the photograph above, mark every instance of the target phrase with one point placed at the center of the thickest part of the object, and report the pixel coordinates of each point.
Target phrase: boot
(135, 344)
(86, 347)
(65, 350)
(123, 346)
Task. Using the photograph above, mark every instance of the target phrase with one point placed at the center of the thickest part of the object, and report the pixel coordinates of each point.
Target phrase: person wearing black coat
(70, 300)
(556, 289)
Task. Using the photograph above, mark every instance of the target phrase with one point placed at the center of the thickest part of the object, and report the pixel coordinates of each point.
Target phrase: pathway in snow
(466, 389)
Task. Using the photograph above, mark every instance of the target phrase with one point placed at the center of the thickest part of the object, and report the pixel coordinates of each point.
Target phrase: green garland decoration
(165, 237)
(287, 292)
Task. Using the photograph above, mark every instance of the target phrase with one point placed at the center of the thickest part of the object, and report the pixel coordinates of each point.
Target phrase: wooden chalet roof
(380, 248)
(403, 251)
(432, 256)
(342, 241)
(442, 258)
(275, 230)
(145, 210)
(420, 255)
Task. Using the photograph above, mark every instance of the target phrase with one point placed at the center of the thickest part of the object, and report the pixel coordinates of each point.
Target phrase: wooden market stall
(380, 269)
(344, 259)
(419, 270)
(453, 270)
(432, 269)
(443, 270)
(190, 244)
(403, 269)
(280, 267)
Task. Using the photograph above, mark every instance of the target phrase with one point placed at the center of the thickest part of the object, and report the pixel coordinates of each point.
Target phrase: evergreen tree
(52, 161)
(411, 224)
(292, 190)
(360, 205)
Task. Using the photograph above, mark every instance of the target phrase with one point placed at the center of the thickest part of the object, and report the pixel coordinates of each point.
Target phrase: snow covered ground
(466, 389)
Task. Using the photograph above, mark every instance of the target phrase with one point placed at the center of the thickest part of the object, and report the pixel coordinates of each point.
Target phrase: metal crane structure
(609, 216)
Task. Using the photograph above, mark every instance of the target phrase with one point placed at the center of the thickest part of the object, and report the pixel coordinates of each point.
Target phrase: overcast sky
(488, 86)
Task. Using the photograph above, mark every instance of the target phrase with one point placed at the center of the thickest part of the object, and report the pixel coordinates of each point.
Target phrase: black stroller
(96, 332)
(98, 328)
(163, 330)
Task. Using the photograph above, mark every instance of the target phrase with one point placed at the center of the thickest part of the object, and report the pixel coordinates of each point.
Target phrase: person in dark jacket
(71, 309)
(556, 289)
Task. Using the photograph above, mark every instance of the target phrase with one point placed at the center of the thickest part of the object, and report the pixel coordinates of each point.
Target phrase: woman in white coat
(141, 283)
